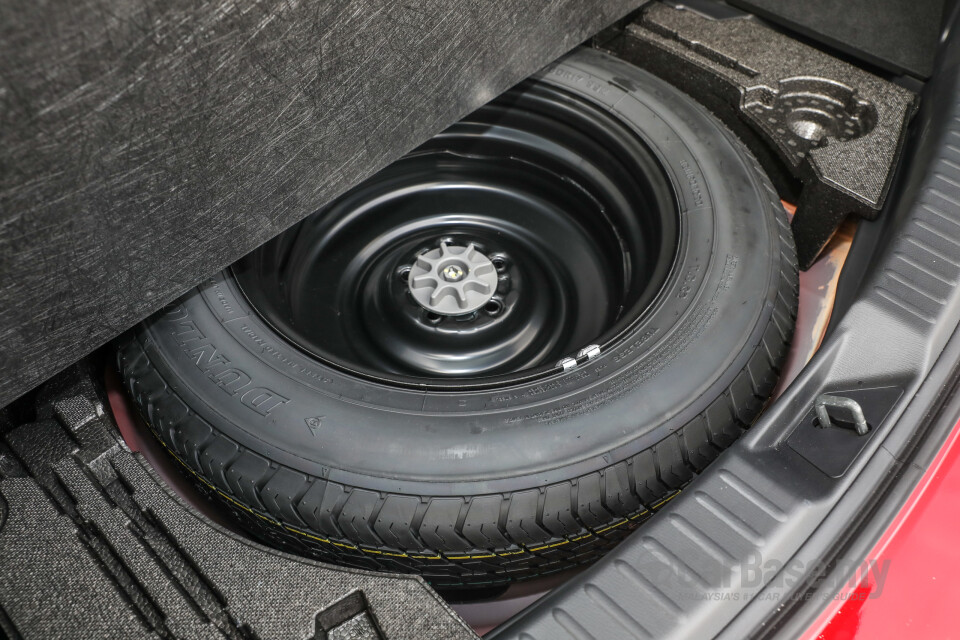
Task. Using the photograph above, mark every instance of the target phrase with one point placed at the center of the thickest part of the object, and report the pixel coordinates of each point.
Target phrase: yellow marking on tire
(304, 533)
(345, 546)
(612, 526)
(665, 500)
(549, 546)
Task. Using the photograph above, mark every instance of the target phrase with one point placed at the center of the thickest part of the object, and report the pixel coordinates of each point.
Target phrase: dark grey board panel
(145, 144)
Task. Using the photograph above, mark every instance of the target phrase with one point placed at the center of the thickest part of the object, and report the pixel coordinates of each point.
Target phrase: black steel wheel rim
(574, 211)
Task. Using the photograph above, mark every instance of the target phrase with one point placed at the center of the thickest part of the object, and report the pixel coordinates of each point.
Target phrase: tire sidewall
(685, 350)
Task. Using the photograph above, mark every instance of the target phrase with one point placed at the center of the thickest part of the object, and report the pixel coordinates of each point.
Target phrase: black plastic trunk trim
(764, 507)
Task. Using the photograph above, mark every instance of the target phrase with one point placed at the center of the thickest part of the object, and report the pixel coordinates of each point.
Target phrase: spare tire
(634, 290)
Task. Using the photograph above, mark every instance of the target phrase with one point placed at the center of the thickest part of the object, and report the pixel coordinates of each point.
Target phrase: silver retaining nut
(587, 353)
(452, 280)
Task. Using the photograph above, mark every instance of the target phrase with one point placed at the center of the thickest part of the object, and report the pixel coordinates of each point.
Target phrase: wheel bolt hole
(493, 307)
(403, 273)
(498, 263)
(433, 318)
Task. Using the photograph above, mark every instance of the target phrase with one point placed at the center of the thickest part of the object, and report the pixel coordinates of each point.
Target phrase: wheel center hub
(452, 280)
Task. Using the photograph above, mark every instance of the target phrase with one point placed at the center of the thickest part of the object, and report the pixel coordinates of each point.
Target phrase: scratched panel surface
(144, 144)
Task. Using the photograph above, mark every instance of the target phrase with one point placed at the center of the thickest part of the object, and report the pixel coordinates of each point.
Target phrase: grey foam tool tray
(93, 545)
(806, 115)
